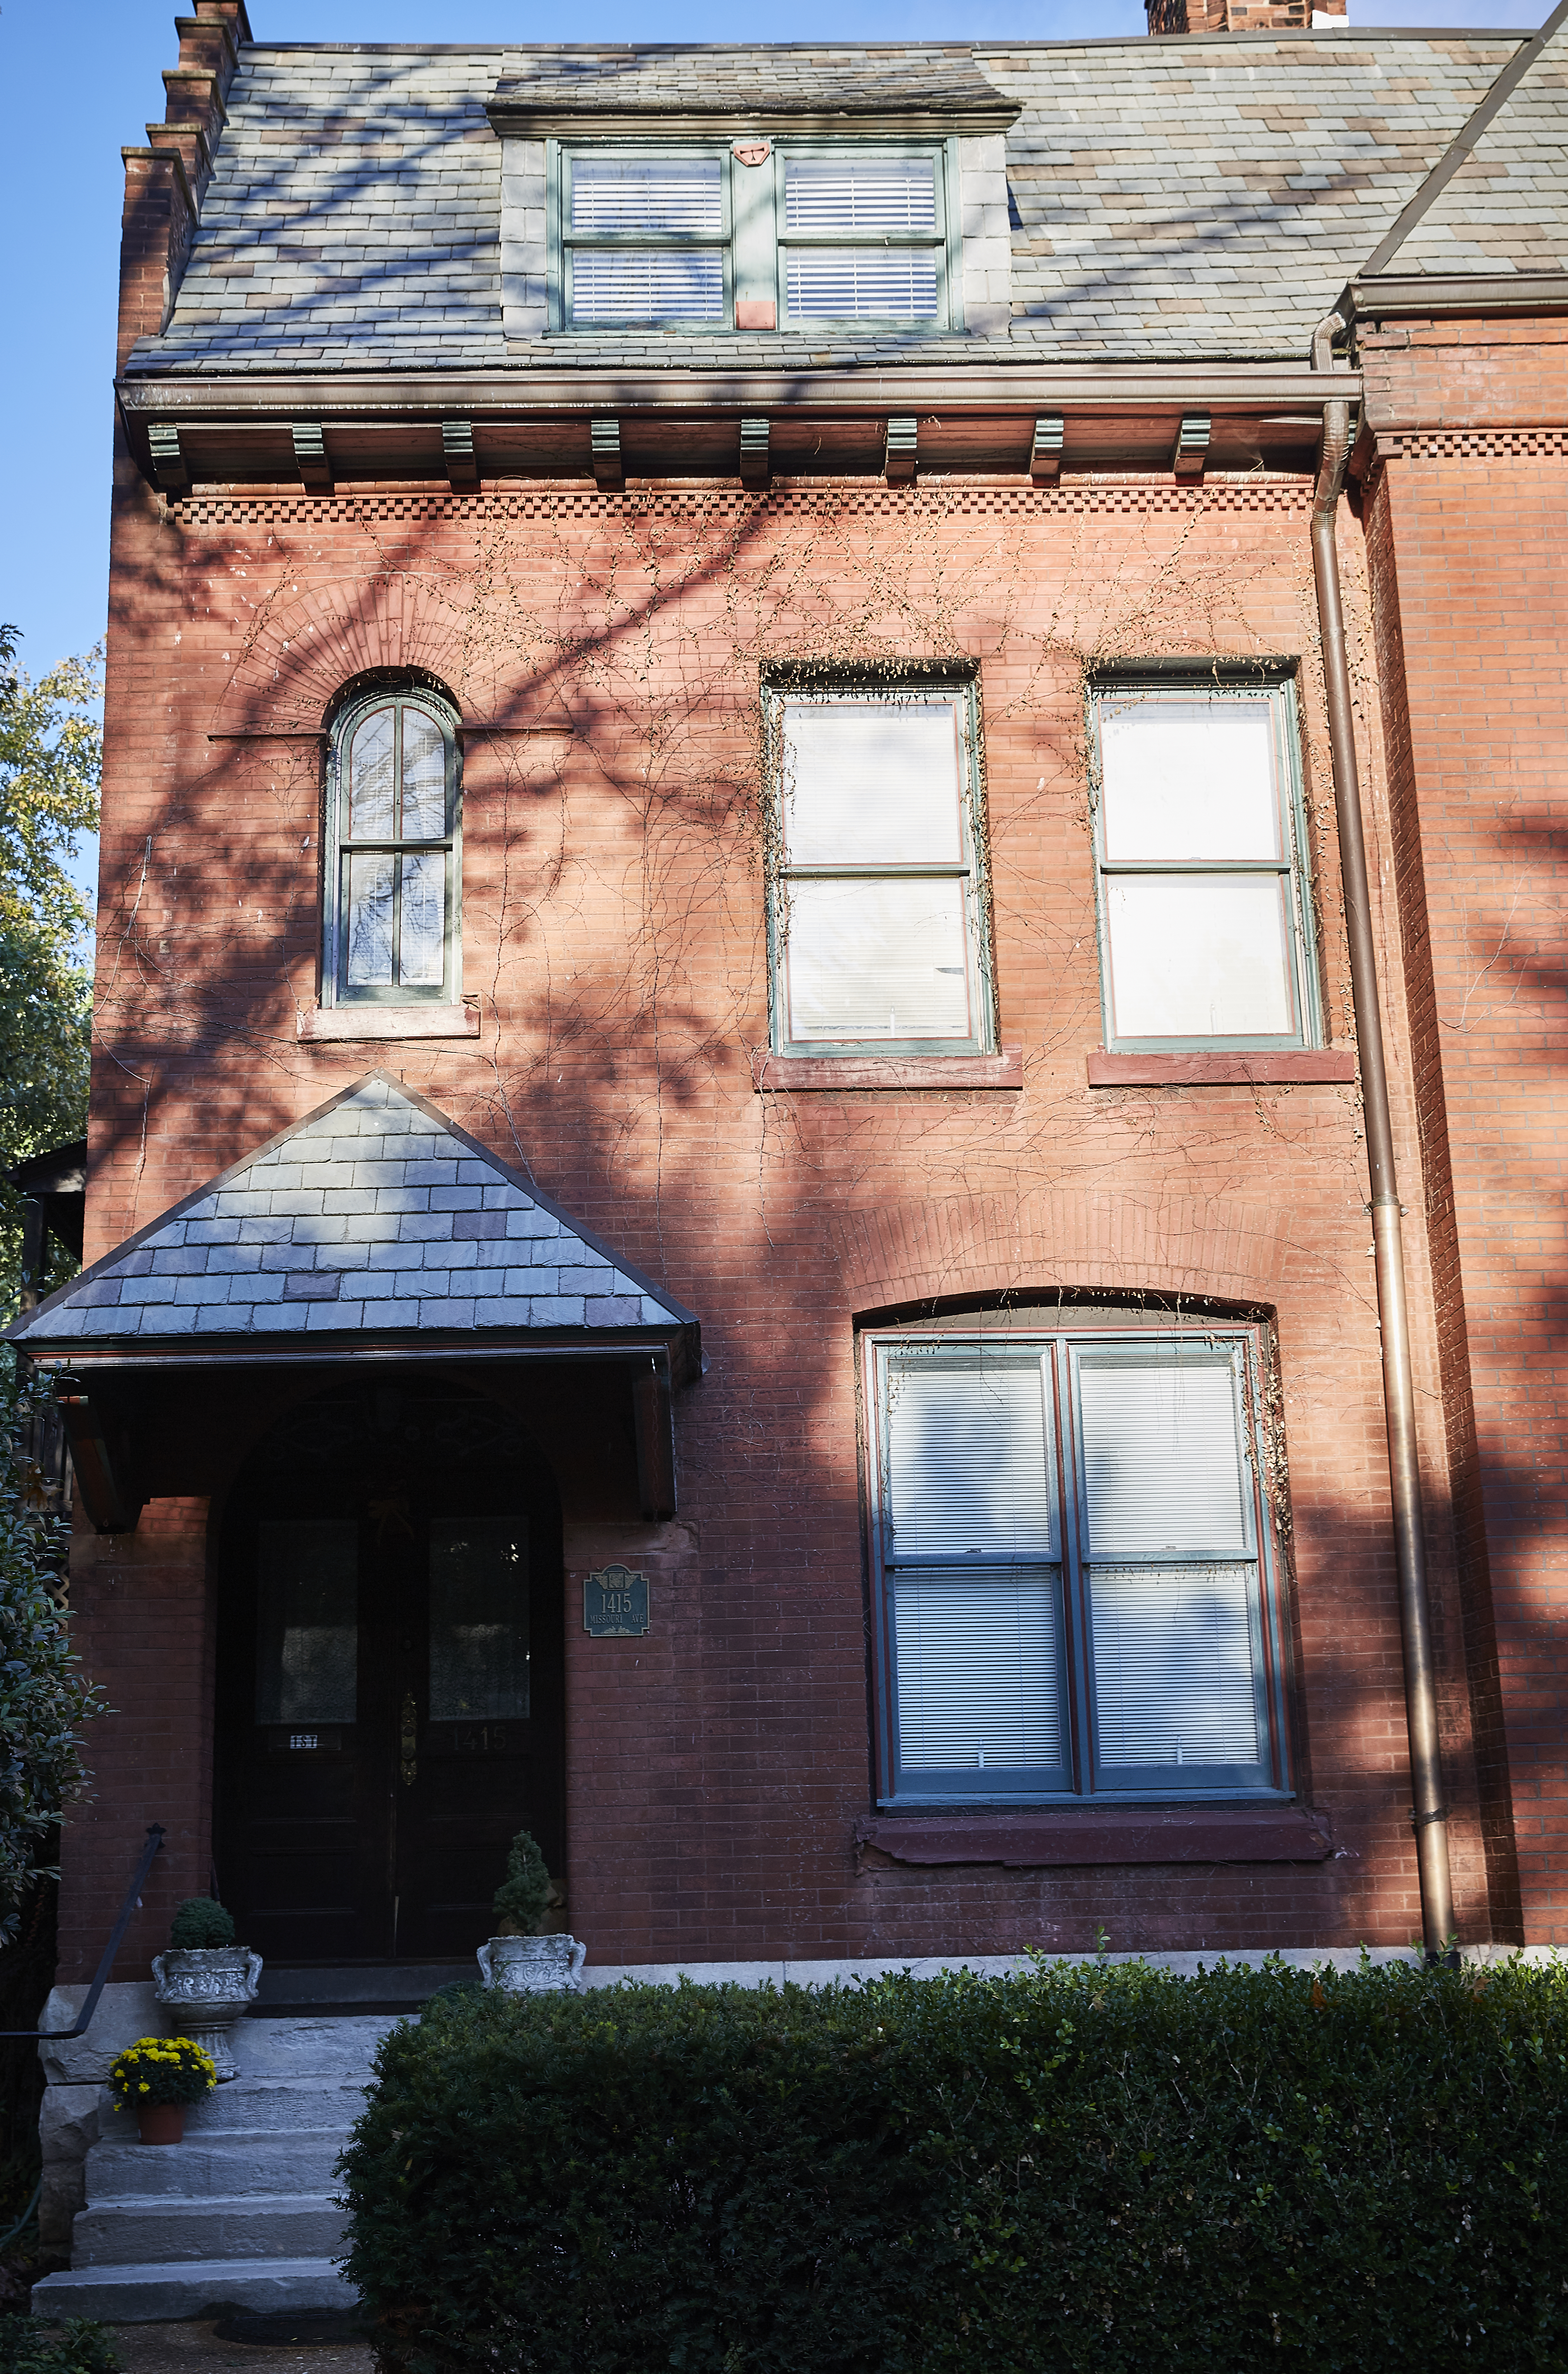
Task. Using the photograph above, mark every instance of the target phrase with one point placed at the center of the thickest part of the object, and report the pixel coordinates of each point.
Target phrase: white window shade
(1200, 955)
(870, 960)
(1162, 1465)
(1185, 781)
(1174, 1678)
(970, 1460)
(979, 1671)
(622, 195)
(860, 194)
(873, 782)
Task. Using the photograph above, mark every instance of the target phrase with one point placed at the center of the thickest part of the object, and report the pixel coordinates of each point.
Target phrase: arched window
(393, 907)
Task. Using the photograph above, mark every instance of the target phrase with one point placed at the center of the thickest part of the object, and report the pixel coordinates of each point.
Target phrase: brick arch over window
(305, 647)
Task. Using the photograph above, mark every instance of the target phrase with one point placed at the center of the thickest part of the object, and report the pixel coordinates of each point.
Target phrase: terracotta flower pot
(161, 2122)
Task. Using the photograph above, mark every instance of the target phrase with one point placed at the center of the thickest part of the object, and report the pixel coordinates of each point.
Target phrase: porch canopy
(373, 1232)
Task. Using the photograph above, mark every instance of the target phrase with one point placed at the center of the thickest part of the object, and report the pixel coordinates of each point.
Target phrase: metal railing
(83, 2020)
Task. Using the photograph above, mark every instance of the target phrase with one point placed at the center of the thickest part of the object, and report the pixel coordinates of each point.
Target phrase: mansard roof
(1206, 198)
(374, 1215)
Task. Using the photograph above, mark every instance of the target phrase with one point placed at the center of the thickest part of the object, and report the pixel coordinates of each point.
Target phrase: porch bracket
(653, 1413)
(101, 1477)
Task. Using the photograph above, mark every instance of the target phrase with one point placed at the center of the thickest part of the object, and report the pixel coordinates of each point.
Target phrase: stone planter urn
(202, 1991)
(532, 1966)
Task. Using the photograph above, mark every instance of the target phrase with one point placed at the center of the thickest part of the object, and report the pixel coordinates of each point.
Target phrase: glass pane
(478, 1622)
(848, 283)
(422, 937)
(371, 778)
(979, 1669)
(644, 284)
(877, 961)
(307, 1621)
(1162, 1465)
(1200, 955)
(1174, 1676)
(969, 1459)
(873, 782)
(861, 193)
(1189, 779)
(370, 921)
(647, 194)
(423, 779)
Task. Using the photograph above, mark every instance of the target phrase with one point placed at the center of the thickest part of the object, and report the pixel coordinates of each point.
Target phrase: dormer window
(755, 235)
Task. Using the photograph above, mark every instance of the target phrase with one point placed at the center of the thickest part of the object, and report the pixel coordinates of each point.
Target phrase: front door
(390, 1704)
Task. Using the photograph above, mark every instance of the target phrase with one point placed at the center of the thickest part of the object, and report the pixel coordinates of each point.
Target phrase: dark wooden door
(390, 1702)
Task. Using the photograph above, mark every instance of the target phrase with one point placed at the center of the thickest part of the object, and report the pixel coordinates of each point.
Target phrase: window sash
(1252, 982)
(803, 252)
(1169, 1656)
(953, 899)
(663, 253)
(431, 858)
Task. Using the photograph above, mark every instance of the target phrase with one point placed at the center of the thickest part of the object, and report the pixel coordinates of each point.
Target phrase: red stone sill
(771, 1072)
(1102, 1835)
(1257, 1067)
(338, 1022)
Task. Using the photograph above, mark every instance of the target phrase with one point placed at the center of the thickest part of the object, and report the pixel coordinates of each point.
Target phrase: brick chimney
(166, 181)
(1244, 16)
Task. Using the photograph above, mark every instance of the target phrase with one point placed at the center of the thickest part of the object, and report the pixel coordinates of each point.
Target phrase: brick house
(728, 1189)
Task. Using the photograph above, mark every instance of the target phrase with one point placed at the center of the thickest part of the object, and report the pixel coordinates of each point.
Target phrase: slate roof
(1198, 198)
(773, 84)
(373, 1213)
(1505, 209)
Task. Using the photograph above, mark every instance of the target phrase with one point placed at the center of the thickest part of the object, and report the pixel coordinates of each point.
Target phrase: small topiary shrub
(201, 1923)
(522, 1896)
(76, 2345)
(1098, 2170)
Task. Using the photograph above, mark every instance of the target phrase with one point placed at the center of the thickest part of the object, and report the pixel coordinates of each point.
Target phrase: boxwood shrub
(1084, 2167)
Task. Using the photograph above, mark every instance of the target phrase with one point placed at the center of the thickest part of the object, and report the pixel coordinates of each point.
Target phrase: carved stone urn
(533, 1966)
(202, 1991)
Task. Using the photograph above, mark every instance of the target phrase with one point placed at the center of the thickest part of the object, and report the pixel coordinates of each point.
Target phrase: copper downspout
(1429, 1815)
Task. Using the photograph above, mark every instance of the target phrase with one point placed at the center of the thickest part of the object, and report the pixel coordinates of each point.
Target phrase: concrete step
(162, 2293)
(203, 2165)
(233, 2226)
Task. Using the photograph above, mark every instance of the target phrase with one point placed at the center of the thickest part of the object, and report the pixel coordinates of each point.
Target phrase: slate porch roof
(1201, 198)
(373, 1215)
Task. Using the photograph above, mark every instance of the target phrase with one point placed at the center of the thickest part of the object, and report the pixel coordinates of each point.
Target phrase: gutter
(1430, 1816)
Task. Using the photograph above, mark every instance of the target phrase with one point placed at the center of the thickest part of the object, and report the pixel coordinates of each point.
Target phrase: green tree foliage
(51, 760)
(44, 1697)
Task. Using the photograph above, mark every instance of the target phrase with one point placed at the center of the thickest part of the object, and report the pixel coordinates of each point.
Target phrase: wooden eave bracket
(310, 457)
(457, 449)
(653, 1415)
(1045, 454)
(170, 469)
(604, 442)
(901, 452)
(101, 1477)
(1191, 445)
(756, 460)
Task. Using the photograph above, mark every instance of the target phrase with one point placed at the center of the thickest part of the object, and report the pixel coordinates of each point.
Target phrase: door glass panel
(307, 1631)
(478, 1622)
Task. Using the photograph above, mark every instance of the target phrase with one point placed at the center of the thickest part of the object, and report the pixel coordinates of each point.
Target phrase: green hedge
(1096, 2167)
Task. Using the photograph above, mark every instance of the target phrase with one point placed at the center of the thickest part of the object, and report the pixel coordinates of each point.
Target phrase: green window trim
(752, 241)
(966, 906)
(1084, 1671)
(432, 855)
(1269, 687)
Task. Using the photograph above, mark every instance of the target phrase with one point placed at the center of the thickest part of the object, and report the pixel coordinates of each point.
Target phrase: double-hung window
(392, 922)
(1205, 917)
(803, 234)
(877, 918)
(1074, 1596)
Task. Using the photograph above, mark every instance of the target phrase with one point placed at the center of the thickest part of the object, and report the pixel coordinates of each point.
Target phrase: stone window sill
(325, 1022)
(771, 1072)
(1257, 1067)
(1100, 1835)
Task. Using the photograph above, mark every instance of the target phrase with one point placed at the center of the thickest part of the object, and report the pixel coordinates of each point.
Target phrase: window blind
(1190, 779)
(978, 1665)
(1200, 955)
(639, 284)
(860, 194)
(1162, 1466)
(869, 960)
(1175, 1681)
(970, 1460)
(859, 283)
(423, 779)
(873, 782)
(371, 778)
(647, 194)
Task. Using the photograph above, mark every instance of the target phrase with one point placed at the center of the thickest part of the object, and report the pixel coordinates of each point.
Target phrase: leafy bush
(76, 2345)
(523, 1895)
(159, 2071)
(1100, 2169)
(199, 1924)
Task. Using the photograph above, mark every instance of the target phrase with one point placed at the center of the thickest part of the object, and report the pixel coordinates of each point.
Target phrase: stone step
(248, 2106)
(225, 2226)
(160, 2293)
(302, 2160)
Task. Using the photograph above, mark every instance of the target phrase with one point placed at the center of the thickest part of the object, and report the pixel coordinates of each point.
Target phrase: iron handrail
(83, 2020)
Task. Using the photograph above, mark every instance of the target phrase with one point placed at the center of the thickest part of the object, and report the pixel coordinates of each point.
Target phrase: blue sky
(78, 81)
